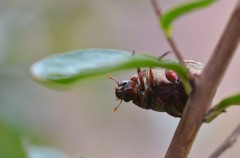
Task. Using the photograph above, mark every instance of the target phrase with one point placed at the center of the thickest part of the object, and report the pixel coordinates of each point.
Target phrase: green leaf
(10, 143)
(66, 68)
(171, 15)
(229, 101)
(222, 106)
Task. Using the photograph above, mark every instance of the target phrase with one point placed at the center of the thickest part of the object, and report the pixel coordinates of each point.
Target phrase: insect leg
(178, 103)
(151, 81)
(141, 79)
(162, 56)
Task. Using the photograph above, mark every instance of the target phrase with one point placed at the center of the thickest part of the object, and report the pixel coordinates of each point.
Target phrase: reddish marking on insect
(171, 75)
(141, 79)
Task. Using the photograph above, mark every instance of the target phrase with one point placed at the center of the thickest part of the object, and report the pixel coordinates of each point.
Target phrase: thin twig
(156, 8)
(175, 50)
(232, 138)
(205, 87)
(169, 39)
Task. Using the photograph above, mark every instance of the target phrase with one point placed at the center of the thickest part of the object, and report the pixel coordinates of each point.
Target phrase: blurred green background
(80, 121)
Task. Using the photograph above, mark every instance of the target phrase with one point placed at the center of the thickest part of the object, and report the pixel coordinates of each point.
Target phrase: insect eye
(123, 83)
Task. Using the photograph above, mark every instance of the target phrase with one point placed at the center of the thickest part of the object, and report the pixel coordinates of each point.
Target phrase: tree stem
(169, 39)
(205, 87)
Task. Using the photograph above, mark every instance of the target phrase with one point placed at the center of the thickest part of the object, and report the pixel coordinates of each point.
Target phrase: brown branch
(169, 39)
(156, 8)
(205, 87)
(175, 50)
(232, 138)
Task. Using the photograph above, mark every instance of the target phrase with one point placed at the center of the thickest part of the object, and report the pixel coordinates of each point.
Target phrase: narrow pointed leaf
(65, 68)
(229, 101)
(171, 15)
(222, 106)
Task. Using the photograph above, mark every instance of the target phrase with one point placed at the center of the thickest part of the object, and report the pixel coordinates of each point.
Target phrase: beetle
(158, 89)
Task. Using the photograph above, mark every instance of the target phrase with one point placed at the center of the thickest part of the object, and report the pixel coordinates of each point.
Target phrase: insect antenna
(111, 78)
(115, 109)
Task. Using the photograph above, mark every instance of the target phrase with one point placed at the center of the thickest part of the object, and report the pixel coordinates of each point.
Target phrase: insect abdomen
(157, 89)
(167, 93)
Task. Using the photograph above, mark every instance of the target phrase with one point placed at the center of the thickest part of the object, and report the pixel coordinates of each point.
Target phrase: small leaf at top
(171, 15)
(64, 69)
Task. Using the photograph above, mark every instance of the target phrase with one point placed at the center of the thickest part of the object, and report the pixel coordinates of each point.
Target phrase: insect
(157, 89)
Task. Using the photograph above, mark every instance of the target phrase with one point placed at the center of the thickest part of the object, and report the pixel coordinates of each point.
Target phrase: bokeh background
(80, 121)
